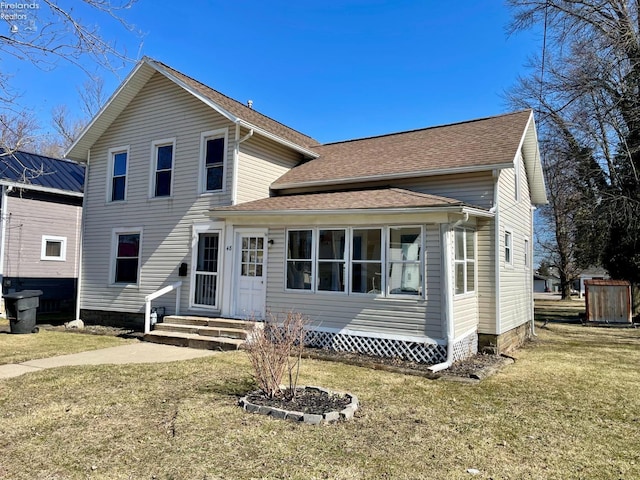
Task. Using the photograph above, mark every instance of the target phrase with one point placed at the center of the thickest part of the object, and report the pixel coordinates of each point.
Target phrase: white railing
(147, 302)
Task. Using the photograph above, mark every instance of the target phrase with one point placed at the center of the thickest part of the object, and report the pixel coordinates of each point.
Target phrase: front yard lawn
(568, 408)
(31, 346)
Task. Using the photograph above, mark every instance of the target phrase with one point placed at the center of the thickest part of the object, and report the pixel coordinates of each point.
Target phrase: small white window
(526, 253)
(508, 248)
(465, 260)
(54, 248)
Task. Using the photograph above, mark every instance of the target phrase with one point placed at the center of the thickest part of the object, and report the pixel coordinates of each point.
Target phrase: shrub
(275, 349)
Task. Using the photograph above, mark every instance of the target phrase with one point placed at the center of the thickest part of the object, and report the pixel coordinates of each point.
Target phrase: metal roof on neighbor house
(41, 172)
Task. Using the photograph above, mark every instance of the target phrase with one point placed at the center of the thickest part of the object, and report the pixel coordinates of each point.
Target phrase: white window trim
(421, 267)
(63, 248)
(508, 231)
(153, 169)
(385, 235)
(527, 253)
(466, 261)
(202, 182)
(112, 153)
(383, 280)
(114, 253)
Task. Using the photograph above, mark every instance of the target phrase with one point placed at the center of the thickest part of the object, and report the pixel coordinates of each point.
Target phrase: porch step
(200, 332)
(193, 340)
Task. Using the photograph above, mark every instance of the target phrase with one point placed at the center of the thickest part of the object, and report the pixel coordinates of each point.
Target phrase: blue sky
(334, 69)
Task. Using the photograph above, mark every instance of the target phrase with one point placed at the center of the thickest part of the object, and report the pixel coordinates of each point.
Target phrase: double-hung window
(331, 260)
(118, 166)
(214, 151)
(366, 261)
(508, 248)
(404, 260)
(299, 259)
(126, 257)
(162, 168)
(465, 260)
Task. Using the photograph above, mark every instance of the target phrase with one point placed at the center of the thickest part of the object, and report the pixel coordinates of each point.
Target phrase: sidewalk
(142, 352)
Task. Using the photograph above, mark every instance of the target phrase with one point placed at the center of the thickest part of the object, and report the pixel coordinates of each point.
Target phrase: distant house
(41, 214)
(416, 244)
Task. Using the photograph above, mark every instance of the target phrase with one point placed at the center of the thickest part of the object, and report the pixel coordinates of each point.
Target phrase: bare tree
(46, 34)
(589, 97)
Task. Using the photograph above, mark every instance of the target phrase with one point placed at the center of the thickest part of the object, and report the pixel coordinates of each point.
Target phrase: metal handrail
(152, 296)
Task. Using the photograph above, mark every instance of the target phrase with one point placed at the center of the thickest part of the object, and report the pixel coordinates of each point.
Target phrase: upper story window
(465, 261)
(118, 167)
(162, 180)
(508, 248)
(54, 248)
(214, 152)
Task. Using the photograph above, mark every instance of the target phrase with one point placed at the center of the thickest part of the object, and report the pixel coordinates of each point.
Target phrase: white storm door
(251, 271)
(205, 292)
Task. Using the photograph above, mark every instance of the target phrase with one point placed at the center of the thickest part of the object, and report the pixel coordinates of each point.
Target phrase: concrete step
(193, 340)
(215, 331)
(208, 322)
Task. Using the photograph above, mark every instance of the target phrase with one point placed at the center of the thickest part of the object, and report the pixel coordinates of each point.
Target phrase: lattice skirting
(465, 347)
(429, 353)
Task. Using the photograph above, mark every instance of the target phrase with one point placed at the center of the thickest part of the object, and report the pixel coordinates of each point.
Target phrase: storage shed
(608, 301)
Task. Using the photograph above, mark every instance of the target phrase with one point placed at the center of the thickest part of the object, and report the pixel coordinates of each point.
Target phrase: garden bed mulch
(308, 400)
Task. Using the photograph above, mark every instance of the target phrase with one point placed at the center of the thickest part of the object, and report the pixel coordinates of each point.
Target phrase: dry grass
(568, 408)
(20, 348)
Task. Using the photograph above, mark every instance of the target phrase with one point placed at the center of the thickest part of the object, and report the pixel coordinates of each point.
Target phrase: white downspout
(3, 228)
(448, 288)
(80, 252)
(530, 253)
(236, 162)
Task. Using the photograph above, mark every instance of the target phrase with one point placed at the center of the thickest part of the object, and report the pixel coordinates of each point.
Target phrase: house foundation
(134, 321)
(506, 342)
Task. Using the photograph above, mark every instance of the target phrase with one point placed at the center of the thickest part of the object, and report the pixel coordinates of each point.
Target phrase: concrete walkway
(142, 352)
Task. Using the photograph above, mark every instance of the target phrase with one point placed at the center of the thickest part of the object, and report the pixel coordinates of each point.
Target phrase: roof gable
(231, 109)
(40, 172)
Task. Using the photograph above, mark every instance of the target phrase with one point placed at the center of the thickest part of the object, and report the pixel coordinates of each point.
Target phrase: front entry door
(251, 270)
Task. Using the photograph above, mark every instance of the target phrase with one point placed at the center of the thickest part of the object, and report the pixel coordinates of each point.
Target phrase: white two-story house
(417, 244)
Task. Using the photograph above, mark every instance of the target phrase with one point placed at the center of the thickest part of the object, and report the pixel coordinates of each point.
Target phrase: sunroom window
(331, 260)
(299, 259)
(404, 259)
(366, 261)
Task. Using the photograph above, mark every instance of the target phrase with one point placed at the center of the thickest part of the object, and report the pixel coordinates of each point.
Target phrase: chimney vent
(250, 104)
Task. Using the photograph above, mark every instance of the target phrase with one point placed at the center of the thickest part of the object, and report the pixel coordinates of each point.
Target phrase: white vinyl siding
(261, 163)
(399, 315)
(161, 110)
(516, 282)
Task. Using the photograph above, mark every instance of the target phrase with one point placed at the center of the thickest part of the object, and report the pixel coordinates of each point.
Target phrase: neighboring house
(545, 284)
(415, 243)
(41, 204)
(591, 273)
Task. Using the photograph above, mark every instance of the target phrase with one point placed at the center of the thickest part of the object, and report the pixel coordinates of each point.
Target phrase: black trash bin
(21, 310)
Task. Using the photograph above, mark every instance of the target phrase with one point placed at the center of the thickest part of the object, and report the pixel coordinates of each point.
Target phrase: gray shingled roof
(381, 198)
(41, 171)
(475, 144)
